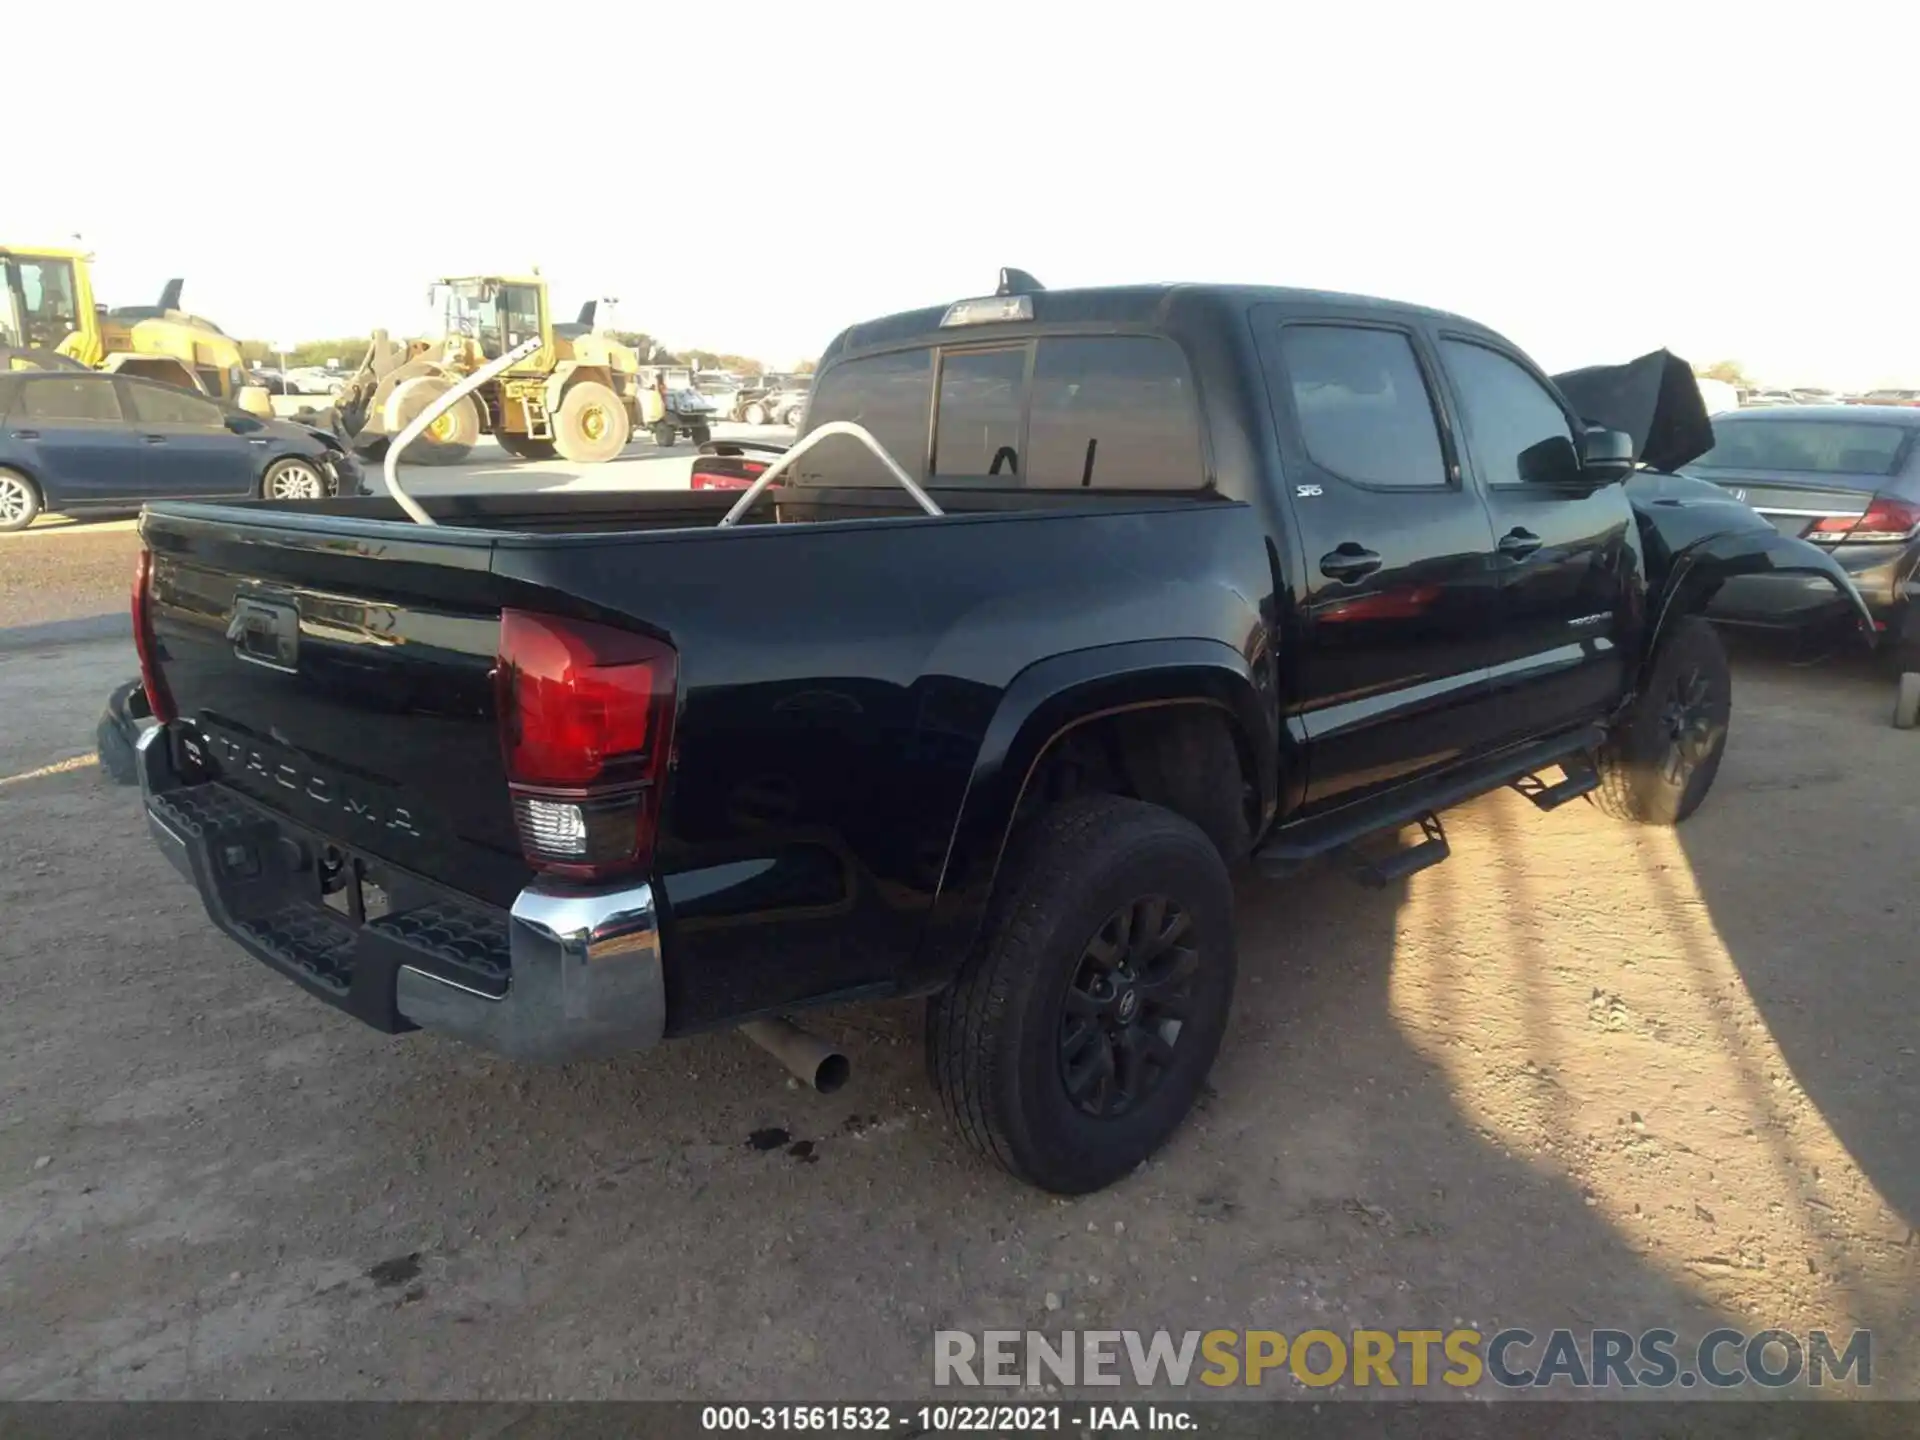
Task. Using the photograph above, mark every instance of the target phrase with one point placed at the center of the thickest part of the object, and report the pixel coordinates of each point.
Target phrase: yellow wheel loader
(578, 396)
(49, 320)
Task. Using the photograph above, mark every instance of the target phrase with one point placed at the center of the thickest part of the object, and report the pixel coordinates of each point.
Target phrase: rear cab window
(1091, 412)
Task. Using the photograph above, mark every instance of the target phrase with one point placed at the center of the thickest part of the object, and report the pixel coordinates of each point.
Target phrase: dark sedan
(1846, 477)
(79, 440)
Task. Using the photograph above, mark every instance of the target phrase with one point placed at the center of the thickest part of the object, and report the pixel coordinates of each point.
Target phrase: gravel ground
(1584, 1074)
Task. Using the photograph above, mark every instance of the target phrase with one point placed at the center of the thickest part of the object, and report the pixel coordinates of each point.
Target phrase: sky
(1727, 180)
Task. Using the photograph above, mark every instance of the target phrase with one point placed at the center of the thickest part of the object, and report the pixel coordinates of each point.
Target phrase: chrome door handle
(1348, 561)
(1518, 544)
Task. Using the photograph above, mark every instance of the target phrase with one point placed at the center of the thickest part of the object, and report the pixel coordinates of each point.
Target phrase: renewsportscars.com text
(1514, 1358)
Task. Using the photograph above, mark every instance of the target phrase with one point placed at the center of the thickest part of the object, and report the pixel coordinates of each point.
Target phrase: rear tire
(756, 414)
(663, 434)
(1659, 765)
(19, 501)
(701, 434)
(592, 425)
(1069, 1085)
(524, 447)
(1906, 702)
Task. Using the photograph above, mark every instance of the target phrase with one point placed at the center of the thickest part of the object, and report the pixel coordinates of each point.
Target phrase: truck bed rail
(826, 432)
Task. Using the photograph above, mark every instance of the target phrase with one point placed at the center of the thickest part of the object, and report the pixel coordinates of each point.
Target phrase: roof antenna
(1017, 282)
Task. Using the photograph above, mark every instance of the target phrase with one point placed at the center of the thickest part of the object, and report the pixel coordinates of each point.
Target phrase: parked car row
(770, 399)
(300, 380)
(74, 440)
(1754, 399)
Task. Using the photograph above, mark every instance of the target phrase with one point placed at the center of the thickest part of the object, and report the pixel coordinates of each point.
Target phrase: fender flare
(555, 385)
(1696, 574)
(1048, 700)
(567, 373)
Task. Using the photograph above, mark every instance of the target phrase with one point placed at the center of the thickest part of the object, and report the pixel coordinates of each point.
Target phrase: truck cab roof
(1168, 306)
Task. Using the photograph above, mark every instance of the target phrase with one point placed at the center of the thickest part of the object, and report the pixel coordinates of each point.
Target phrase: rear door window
(68, 397)
(977, 431)
(1820, 447)
(1363, 406)
(892, 396)
(1112, 412)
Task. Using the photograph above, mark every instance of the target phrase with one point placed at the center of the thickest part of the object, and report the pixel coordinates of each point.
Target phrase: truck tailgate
(346, 686)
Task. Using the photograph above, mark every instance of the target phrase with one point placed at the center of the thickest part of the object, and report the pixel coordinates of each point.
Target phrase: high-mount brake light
(146, 645)
(1887, 522)
(988, 310)
(586, 733)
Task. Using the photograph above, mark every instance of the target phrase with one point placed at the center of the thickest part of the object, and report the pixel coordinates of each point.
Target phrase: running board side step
(1341, 829)
(1580, 778)
(1379, 871)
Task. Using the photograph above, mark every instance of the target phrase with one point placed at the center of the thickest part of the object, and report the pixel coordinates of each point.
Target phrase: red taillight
(1886, 522)
(751, 471)
(586, 729)
(159, 699)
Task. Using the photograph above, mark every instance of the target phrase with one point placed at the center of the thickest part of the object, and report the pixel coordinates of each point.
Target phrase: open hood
(1654, 399)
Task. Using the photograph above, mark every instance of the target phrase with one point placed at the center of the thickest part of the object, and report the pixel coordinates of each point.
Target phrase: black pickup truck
(1065, 606)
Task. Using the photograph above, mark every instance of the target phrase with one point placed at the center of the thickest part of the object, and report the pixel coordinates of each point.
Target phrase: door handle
(154, 439)
(1348, 561)
(26, 434)
(1517, 544)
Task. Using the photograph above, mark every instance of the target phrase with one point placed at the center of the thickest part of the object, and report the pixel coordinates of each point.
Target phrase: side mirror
(254, 400)
(1606, 455)
(1552, 461)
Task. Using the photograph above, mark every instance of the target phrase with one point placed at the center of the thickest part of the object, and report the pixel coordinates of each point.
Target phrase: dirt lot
(1584, 1074)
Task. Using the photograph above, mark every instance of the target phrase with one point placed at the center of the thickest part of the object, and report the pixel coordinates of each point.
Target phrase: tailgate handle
(266, 633)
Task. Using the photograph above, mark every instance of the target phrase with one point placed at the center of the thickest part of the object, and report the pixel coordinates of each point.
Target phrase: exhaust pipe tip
(809, 1059)
(833, 1071)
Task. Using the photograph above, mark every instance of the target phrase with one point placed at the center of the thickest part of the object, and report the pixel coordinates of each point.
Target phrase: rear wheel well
(1186, 756)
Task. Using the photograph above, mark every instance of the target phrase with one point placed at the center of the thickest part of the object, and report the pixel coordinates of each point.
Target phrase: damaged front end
(1695, 537)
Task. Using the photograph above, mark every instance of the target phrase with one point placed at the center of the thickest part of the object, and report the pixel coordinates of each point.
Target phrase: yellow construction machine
(49, 319)
(578, 396)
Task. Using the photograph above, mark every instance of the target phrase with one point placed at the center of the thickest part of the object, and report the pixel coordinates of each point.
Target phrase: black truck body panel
(866, 691)
(817, 780)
